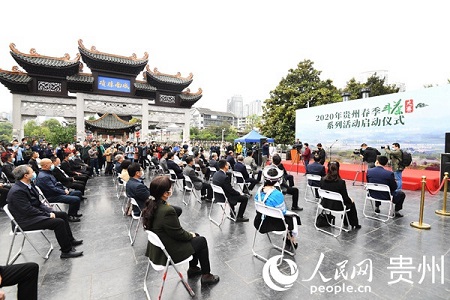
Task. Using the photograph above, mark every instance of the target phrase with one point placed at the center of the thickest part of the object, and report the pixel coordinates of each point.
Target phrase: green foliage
(253, 121)
(300, 87)
(6, 131)
(214, 133)
(376, 84)
(51, 130)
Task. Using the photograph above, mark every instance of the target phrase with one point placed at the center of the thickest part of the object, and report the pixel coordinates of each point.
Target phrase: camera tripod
(362, 171)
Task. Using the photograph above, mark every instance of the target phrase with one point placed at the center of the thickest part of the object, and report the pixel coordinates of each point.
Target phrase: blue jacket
(49, 185)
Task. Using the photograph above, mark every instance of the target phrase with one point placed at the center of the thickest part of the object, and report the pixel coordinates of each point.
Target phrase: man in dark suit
(8, 167)
(213, 160)
(316, 169)
(240, 167)
(69, 170)
(55, 192)
(220, 178)
(230, 159)
(380, 175)
(28, 211)
(206, 189)
(171, 165)
(369, 155)
(136, 188)
(65, 179)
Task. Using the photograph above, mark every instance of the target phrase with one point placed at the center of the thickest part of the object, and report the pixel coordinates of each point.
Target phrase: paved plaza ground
(405, 263)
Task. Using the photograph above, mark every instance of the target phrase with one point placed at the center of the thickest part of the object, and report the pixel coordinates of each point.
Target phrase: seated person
(8, 167)
(172, 165)
(70, 171)
(316, 169)
(25, 276)
(221, 179)
(161, 218)
(163, 161)
(333, 182)
(28, 211)
(230, 159)
(380, 175)
(250, 161)
(213, 160)
(198, 161)
(136, 188)
(272, 197)
(33, 162)
(276, 161)
(55, 192)
(65, 179)
(79, 165)
(118, 159)
(206, 189)
(124, 176)
(240, 167)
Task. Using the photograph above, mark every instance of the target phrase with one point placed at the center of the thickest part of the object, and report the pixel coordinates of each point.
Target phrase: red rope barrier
(436, 191)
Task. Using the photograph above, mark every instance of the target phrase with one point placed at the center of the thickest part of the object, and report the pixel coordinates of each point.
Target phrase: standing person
(100, 152)
(93, 158)
(396, 158)
(161, 218)
(129, 152)
(85, 152)
(321, 153)
(380, 175)
(369, 155)
(25, 276)
(110, 152)
(306, 155)
(334, 183)
(265, 154)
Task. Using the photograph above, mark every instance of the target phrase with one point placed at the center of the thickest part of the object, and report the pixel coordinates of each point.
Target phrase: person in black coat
(28, 211)
(65, 179)
(33, 162)
(333, 182)
(220, 178)
(240, 167)
(25, 276)
(70, 171)
(136, 188)
(171, 165)
(315, 169)
(380, 175)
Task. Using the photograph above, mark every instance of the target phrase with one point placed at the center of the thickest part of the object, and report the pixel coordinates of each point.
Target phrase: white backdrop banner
(417, 120)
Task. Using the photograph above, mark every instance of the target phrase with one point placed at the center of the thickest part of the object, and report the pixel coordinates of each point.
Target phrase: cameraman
(396, 157)
(321, 153)
(369, 155)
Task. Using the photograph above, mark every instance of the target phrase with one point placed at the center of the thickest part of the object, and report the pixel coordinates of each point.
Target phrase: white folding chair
(45, 201)
(212, 170)
(267, 211)
(134, 218)
(369, 199)
(126, 203)
(174, 179)
(190, 188)
(121, 187)
(310, 179)
(225, 205)
(240, 181)
(332, 196)
(18, 230)
(156, 241)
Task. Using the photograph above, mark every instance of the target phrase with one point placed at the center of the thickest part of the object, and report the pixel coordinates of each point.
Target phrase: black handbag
(324, 220)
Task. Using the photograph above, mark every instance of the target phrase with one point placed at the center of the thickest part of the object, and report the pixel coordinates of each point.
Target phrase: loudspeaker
(445, 165)
(447, 142)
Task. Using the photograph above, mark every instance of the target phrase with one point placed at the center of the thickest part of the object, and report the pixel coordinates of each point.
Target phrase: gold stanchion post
(444, 211)
(420, 224)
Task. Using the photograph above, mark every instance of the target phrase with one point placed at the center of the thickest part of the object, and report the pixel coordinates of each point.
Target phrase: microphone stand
(331, 147)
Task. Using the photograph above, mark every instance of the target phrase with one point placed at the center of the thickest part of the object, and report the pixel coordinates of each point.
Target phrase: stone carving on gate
(110, 107)
(48, 109)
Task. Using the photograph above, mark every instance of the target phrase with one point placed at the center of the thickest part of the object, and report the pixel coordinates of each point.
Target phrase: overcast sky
(241, 47)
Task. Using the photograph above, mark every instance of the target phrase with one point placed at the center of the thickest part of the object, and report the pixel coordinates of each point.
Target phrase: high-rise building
(235, 105)
(255, 108)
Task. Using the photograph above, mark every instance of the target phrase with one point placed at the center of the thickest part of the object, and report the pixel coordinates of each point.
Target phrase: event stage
(411, 178)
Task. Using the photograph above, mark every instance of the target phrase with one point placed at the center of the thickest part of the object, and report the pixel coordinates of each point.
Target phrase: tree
(253, 121)
(51, 130)
(301, 88)
(374, 83)
(6, 131)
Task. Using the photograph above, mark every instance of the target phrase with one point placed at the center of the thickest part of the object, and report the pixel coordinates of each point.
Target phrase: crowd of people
(35, 176)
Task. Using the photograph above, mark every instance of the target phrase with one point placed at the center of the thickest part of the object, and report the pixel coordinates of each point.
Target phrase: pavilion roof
(166, 81)
(110, 121)
(15, 80)
(35, 63)
(188, 99)
(102, 61)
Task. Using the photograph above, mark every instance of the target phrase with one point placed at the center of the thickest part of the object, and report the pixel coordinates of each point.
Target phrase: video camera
(382, 147)
(298, 146)
(358, 151)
